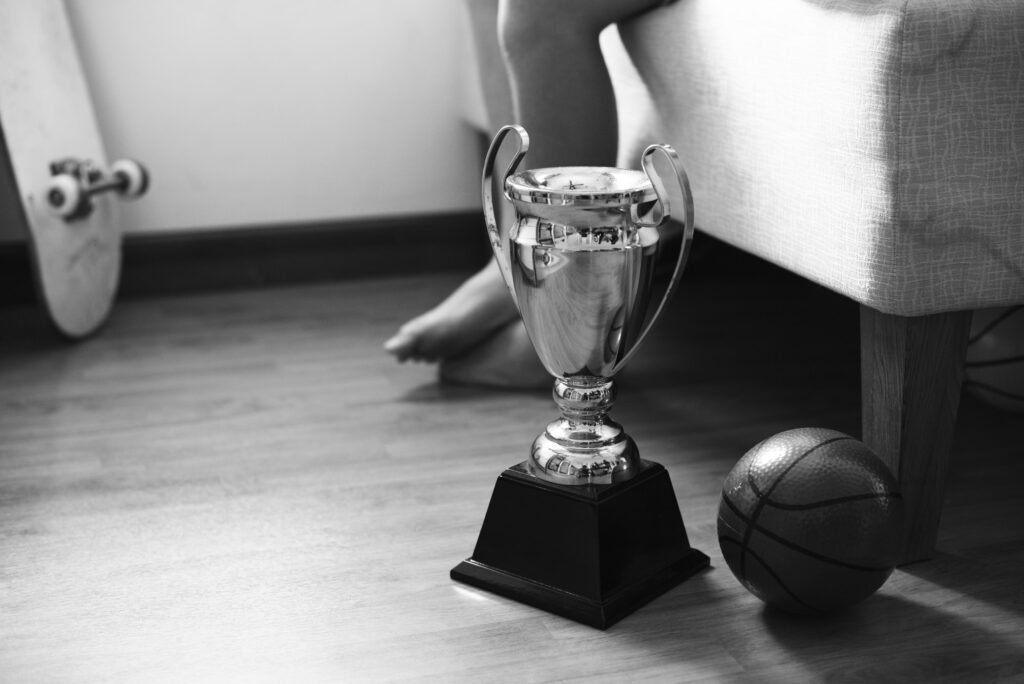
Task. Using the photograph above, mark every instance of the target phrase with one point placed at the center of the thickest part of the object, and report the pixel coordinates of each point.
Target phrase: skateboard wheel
(63, 195)
(133, 175)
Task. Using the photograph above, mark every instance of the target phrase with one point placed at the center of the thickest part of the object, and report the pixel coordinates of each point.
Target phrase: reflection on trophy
(584, 528)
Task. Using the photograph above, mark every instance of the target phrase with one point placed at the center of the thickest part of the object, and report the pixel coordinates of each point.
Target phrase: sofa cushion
(875, 147)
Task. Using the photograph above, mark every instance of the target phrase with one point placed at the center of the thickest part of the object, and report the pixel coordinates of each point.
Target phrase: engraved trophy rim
(580, 186)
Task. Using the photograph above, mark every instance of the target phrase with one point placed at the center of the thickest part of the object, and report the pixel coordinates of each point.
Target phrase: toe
(402, 345)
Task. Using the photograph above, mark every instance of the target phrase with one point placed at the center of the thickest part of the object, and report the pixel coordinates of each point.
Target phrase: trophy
(584, 527)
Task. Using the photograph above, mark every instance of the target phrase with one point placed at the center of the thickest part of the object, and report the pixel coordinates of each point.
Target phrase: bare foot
(506, 359)
(465, 318)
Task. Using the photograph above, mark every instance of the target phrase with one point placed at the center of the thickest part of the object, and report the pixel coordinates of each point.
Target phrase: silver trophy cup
(579, 261)
(583, 527)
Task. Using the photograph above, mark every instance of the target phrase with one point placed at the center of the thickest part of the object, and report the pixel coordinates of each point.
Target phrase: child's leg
(562, 95)
(481, 305)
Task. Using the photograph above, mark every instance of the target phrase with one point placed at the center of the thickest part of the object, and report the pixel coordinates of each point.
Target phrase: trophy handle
(667, 211)
(494, 231)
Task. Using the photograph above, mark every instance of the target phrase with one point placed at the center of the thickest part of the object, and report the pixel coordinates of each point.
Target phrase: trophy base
(591, 553)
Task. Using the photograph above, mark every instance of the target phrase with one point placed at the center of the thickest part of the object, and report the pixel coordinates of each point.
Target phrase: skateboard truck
(73, 183)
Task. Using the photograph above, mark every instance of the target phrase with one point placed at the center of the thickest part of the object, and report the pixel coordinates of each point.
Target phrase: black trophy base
(591, 553)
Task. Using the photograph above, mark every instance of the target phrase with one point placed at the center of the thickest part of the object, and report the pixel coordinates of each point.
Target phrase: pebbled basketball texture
(811, 521)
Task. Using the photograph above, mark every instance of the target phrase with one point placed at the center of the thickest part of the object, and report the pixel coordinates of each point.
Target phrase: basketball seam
(753, 526)
(993, 323)
(777, 579)
(762, 498)
(832, 502)
(994, 390)
(1005, 360)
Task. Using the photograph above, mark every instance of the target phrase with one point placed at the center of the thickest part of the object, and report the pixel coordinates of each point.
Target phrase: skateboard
(67, 191)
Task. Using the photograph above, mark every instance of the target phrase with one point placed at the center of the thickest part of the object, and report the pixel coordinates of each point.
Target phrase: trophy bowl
(579, 261)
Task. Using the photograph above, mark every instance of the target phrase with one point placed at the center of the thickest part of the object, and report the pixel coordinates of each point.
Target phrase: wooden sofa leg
(911, 374)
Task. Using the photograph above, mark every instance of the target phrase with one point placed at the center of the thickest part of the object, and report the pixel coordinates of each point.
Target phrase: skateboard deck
(46, 115)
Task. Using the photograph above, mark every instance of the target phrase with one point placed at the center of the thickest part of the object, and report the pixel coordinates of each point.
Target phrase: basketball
(811, 521)
(995, 358)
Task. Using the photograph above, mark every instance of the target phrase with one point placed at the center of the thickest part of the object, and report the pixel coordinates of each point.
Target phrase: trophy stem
(584, 446)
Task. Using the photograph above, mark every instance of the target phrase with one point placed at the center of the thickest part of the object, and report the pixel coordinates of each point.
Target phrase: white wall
(252, 112)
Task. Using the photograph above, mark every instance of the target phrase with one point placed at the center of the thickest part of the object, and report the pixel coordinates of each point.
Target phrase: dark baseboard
(213, 260)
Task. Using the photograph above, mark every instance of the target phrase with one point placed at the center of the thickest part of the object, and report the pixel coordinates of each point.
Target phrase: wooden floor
(243, 487)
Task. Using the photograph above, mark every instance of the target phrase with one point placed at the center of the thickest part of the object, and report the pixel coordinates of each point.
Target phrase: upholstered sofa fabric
(875, 147)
